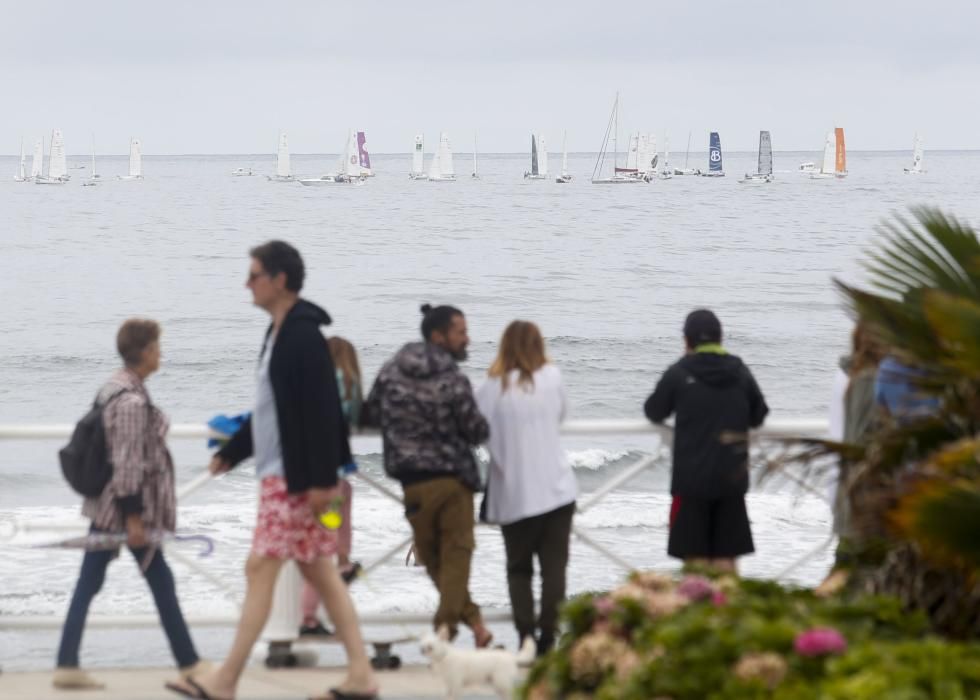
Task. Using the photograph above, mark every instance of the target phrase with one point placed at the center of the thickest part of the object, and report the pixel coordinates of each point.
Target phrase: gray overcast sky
(193, 76)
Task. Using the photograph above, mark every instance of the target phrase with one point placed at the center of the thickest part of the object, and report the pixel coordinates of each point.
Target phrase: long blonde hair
(521, 348)
(345, 359)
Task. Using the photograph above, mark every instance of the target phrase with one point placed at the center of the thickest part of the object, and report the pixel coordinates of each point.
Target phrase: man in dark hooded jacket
(715, 400)
(430, 424)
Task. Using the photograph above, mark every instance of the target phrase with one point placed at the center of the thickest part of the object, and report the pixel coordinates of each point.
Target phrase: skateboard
(281, 654)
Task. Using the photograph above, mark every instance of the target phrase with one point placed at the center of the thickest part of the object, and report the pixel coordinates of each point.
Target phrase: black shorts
(709, 529)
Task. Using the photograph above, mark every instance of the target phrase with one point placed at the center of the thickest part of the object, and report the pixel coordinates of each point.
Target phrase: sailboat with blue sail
(715, 168)
(764, 170)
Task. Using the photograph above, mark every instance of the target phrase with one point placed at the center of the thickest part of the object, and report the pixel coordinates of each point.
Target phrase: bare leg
(260, 574)
(323, 575)
(724, 566)
(311, 600)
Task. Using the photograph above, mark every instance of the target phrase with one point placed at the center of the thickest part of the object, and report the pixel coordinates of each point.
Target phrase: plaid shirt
(142, 470)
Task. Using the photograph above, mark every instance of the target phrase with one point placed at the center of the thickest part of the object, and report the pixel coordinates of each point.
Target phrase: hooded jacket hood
(304, 310)
(421, 360)
(713, 369)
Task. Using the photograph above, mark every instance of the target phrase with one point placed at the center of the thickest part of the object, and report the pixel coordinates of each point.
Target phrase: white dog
(460, 668)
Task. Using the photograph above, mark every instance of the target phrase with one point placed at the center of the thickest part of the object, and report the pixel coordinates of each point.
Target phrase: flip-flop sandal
(199, 692)
(338, 694)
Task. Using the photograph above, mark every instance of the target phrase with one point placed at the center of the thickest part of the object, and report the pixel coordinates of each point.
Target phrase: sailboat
(763, 171)
(441, 167)
(93, 179)
(57, 164)
(834, 163)
(916, 168)
(687, 156)
(21, 175)
(564, 177)
(135, 161)
(612, 130)
(37, 162)
(363, 157)
(418, 157)
(476, 171)
(715, 168)
(283, 169)
(539, 159)
(349, 171)
(665, 171)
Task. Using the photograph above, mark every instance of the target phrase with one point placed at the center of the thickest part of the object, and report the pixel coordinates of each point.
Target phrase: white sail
(22, 173)
(352, 164)
(633, 152)
(434, 172)
(476, 172)
(646, 154)
(57, 162)
(542, 156)
(282, 156)
(135, 158)
(917, 154)
(666, 154)
(94, 174)
(765, 153)
(445, 156)
(829, 154)
(38, 160)
(652, 152)
(418, 154)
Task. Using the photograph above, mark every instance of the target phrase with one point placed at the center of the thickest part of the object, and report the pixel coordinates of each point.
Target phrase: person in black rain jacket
(715, 401)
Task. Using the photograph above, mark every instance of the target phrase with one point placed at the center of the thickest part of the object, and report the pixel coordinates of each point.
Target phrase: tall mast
(688, 154)
(616, 135)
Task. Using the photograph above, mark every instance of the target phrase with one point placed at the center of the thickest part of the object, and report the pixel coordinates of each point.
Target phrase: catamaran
(21, 175)
(687, 156)
(539, 159)
(57, 164)
(612, 130)
(94, 178)
(834, 163)
(349, 172)
(763, 171)
(135, 161)
(564, 176)
(441, 167)
(715, 168)
(283, 169)
(916, 168)
(418, 159)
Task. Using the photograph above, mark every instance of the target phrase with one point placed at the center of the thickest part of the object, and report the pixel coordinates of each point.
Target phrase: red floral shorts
(286, 527)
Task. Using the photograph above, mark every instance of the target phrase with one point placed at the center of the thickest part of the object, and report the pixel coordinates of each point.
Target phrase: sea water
(607, 272)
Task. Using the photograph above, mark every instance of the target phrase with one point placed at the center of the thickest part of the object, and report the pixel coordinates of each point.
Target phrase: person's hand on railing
(218, 465)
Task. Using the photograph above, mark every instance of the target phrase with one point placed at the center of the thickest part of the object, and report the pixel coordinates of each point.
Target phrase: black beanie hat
(702, 326)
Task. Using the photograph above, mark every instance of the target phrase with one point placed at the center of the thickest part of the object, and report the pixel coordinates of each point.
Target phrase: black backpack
(85, 459)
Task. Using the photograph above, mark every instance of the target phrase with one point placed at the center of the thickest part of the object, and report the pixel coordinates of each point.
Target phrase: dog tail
(527, 653)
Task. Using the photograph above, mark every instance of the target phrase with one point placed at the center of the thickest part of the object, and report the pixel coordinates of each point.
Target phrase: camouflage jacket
(428, 416)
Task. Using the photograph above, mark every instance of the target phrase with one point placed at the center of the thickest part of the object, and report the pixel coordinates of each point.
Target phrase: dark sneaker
(317, 630)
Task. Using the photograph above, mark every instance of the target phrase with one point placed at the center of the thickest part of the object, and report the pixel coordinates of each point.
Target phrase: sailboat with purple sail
(363, 157)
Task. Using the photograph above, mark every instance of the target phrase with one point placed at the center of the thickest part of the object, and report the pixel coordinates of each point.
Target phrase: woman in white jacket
(531, 489)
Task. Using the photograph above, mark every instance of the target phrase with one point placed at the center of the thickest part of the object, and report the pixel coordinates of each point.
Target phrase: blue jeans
(161, 582)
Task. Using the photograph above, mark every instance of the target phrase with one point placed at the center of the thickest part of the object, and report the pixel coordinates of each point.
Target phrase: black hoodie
(716, 401)
(312, 429)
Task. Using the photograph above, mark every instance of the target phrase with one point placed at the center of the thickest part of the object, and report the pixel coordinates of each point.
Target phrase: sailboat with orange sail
(834, 163)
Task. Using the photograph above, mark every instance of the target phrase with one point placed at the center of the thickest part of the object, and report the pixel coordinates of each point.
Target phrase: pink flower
(820, 641)
(604, 605)
(696, 588)
(719, 599)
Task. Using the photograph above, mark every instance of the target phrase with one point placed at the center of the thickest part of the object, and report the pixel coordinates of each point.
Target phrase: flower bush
(695, 638)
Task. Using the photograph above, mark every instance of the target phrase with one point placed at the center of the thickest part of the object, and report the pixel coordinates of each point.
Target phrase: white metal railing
(807, 427)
